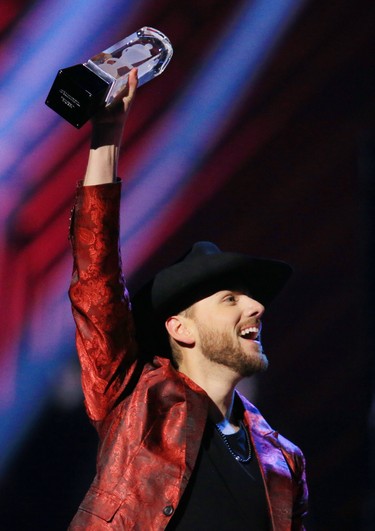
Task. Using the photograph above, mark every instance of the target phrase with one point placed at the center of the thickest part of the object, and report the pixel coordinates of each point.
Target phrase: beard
(220, 347)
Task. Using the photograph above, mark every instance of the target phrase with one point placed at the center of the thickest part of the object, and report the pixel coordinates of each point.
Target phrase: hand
(108, 122)
(117, 112)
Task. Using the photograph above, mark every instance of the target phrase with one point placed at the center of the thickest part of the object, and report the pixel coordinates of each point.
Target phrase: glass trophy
(79, 91)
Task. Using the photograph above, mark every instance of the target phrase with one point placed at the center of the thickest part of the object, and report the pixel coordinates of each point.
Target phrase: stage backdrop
(260, 137)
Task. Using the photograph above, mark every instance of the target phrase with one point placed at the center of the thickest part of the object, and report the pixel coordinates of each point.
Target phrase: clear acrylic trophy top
(147, 49)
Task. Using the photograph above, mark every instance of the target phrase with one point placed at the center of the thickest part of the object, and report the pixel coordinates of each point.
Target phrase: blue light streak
(200, 116)
(54, 35)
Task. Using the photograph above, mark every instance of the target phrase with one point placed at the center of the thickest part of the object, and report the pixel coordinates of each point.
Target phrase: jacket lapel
(196, 418)
(273, 465)
(274, 468)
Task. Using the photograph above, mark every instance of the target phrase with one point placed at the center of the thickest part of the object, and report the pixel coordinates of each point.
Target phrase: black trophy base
(76, 94)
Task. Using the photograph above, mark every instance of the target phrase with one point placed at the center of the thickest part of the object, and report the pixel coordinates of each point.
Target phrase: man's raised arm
(100, 302)
(107, 129)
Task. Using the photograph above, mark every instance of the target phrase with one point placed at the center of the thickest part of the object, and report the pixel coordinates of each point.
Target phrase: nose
(253, 308)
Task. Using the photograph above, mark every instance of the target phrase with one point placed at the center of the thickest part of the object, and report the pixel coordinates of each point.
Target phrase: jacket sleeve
(100, 302)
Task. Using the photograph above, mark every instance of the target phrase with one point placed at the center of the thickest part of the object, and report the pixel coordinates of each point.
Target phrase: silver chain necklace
(231, 451)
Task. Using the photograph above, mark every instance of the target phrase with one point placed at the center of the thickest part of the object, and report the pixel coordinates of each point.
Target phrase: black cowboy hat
(204, 270)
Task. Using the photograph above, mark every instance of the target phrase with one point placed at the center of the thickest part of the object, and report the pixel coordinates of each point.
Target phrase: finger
(131, 86)
(133, 80)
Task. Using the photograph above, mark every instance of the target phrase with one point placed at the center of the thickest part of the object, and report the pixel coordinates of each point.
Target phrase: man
(179, 448)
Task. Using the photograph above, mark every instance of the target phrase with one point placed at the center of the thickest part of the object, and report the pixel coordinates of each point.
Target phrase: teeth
(250, 330)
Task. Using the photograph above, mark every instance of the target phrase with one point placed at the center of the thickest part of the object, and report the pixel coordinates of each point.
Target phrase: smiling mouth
(251, 332)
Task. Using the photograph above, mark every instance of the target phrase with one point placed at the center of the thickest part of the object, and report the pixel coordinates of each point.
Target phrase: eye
(230, 298)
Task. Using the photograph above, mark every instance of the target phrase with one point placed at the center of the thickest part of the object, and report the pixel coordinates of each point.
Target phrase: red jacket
(150, 419)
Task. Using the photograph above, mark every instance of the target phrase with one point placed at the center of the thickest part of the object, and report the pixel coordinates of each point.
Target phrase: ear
(178, 328)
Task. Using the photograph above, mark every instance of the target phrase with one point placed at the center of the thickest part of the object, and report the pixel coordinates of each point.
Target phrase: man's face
(228, 325)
